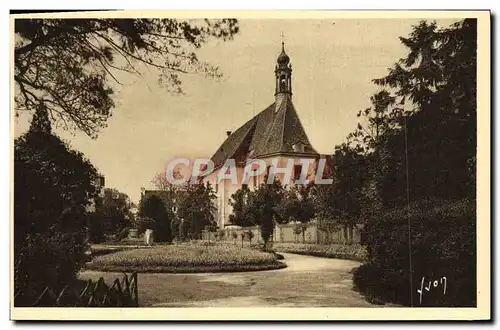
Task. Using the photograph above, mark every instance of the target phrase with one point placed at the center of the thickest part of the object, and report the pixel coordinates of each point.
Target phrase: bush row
(351, 252)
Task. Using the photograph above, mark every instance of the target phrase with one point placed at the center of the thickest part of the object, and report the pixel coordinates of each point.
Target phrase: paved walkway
(306, 282)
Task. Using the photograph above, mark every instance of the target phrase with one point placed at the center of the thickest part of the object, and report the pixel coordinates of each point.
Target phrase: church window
(297, 170)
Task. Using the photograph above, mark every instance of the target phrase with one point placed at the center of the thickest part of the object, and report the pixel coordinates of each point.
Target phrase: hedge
(443, 245)
(338, 251)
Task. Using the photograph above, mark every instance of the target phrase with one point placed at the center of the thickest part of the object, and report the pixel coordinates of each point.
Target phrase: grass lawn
(185, 258)
(339, 251)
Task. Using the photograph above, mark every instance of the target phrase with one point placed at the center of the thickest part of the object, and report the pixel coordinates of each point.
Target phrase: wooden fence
(122, 293)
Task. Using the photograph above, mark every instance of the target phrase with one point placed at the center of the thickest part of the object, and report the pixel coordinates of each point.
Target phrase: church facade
(274, 136)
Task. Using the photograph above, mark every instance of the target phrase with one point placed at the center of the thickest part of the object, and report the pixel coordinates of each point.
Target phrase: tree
(416, 76)
(197, 209)
(68, 64)
(424, 170)
(297, 206)
(439, 78)
(341, 202)
(53, 186)
(113, 213)
(419, 137)
(170, 194)
(240, 201)
(168, 191)
(152, 206)
(176, 226)
(264, 208)
(376, 121)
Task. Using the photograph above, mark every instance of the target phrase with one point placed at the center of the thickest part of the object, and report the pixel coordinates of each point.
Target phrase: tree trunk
(346, 238)
(351, 227)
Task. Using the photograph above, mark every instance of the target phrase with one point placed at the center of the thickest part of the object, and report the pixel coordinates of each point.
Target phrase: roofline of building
(293, 154)
(314, 155)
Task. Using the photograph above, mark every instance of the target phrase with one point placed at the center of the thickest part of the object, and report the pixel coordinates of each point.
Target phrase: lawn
(185, 258)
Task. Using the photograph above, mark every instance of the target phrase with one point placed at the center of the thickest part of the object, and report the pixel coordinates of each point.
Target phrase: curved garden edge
(186, 269)
(354, 252)
(322, 255)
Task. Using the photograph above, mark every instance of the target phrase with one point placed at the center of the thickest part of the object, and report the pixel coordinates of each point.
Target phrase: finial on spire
(283, 58)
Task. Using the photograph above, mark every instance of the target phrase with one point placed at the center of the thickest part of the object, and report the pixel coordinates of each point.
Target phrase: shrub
(123, 234)
(442, 244)
(153, 206)
(338, 251)
(47, 260)
(143, 223)
(221, 234)
(249, 235)
(297, 230)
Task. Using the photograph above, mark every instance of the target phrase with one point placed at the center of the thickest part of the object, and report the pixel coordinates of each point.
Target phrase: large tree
(420, 133)
(70, 65)
(422, 169)
(339, 204)
(197, 209)
(53, 185)
(265, 207)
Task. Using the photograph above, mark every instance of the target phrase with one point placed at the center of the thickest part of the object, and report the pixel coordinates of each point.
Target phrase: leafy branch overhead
(69, 65)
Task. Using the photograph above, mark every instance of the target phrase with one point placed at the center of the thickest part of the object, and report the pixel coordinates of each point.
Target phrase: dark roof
(269, 132)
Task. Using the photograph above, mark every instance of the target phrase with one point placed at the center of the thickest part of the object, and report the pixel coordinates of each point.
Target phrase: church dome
(283, 57)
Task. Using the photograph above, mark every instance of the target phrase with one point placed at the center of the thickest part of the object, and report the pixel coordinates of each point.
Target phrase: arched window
(283, 85)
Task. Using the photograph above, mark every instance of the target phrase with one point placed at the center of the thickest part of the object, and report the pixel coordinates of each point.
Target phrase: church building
(275, 136)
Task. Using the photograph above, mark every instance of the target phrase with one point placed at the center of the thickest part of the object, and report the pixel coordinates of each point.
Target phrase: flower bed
(351, 252)
(185, 258)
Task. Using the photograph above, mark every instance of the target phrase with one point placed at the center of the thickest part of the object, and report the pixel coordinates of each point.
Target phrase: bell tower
(283, 73)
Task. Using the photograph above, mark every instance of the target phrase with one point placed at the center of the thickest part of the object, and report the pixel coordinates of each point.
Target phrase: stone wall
(288, 234)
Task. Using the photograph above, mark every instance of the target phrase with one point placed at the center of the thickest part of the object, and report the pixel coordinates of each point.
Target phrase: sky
(333, 64)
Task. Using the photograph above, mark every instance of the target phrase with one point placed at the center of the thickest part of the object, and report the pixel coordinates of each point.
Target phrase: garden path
(306, 282)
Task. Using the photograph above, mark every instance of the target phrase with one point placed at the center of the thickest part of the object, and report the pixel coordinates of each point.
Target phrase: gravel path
(306, 282)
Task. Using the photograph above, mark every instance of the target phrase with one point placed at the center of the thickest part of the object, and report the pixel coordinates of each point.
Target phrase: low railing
(122, 293)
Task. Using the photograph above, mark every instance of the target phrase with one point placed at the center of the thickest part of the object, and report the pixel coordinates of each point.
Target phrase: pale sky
(333, 65)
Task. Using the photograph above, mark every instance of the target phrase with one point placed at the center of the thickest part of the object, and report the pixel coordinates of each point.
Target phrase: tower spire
(283, 74)
(282, 42)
